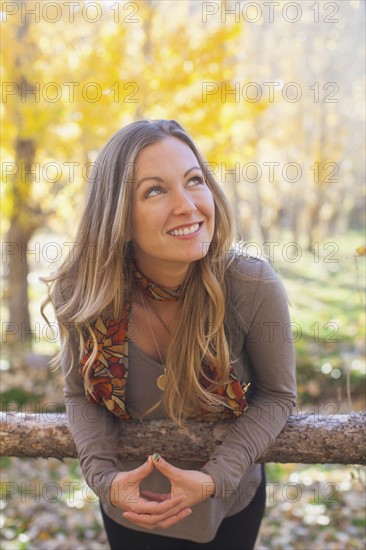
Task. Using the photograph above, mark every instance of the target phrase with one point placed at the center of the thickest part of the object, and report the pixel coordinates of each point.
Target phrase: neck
(165, 275)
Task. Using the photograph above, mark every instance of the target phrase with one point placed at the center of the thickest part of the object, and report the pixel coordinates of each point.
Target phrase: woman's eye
(196, 180)
(153, 191)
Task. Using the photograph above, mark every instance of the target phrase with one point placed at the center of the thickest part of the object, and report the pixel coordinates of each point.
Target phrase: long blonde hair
(96, 277)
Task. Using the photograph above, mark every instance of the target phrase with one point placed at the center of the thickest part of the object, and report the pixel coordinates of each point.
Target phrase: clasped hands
(149, 509)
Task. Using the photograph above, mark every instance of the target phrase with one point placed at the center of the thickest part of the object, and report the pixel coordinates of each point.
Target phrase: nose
(183, 203)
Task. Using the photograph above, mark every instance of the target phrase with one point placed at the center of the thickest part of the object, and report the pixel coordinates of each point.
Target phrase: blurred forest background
(273, 93)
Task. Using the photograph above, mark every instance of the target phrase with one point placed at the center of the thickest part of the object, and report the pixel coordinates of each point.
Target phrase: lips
(183, 231)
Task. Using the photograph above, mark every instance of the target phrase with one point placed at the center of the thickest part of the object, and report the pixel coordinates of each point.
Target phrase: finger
(163, 466)
(138, 519)
(159, 497)
(152, 521)
(156, 508)
(142, 471)
(173, 520)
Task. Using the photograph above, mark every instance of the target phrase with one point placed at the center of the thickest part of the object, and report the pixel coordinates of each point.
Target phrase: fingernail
(156, 457)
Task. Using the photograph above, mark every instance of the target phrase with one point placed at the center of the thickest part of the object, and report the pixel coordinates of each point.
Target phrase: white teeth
(186, 231)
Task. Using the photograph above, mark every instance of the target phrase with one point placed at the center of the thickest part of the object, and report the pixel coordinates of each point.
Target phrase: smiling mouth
(188, 230)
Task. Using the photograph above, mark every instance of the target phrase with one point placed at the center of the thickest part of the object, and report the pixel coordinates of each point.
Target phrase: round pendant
(161, 381)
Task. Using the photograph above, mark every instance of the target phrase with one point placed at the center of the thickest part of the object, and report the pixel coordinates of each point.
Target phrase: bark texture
(338, 439)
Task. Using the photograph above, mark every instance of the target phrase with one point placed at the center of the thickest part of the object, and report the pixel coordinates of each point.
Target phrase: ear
(128, 231)
(129, 247)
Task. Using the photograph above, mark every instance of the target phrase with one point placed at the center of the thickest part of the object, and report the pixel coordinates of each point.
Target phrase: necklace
(161, 380)
(158, 316)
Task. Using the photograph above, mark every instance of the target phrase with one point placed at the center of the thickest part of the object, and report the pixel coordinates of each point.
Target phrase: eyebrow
(157, 178)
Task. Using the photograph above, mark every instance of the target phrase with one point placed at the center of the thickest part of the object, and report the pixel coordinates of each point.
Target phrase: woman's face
(173, 211)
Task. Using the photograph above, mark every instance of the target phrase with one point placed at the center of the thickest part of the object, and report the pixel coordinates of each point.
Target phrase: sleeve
(94, 429)
(268, 344)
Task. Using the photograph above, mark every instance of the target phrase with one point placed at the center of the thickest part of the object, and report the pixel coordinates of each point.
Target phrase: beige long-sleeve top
(260, 340)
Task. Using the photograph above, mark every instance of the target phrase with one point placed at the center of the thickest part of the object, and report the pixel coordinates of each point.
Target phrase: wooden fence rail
(306, 438)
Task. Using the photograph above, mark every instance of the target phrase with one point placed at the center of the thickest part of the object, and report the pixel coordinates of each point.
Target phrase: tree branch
(338, 439)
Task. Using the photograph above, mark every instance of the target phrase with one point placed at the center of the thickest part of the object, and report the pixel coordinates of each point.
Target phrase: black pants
(238, 532)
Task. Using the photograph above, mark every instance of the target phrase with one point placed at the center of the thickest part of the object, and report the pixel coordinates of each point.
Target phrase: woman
(160, 318)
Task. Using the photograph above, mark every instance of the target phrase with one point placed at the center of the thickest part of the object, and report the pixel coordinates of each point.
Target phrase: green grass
(327, 309)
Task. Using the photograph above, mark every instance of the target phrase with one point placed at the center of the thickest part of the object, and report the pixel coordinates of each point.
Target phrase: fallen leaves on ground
(46, 505)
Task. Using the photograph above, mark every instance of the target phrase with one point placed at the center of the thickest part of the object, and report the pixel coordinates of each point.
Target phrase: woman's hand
(160, 512)
(191, 486)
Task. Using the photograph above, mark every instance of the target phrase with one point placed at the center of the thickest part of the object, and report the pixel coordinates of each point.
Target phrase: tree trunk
(24, 217)
(18, 328)
(23, 223)
(338, 439)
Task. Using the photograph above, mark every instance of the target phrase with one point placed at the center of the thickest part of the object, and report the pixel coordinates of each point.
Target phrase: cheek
(211, 208)
(213, 215)
(149, 222)
(133, 226)
(139, 233)
(207, 202)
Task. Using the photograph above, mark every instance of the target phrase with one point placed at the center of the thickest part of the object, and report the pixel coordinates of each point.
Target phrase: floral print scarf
(109, 372)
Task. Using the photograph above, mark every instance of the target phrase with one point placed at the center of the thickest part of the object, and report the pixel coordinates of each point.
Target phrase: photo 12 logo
(253, 92)
(270, 12)
(53, 92)
(72, 12)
